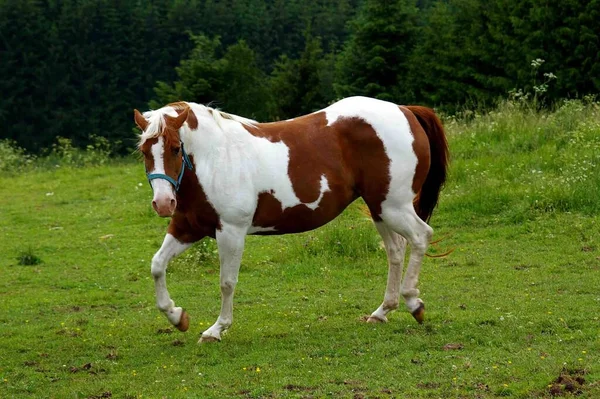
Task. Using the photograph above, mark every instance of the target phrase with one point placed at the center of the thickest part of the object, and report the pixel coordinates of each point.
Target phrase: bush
(63, 153)
(14, 158)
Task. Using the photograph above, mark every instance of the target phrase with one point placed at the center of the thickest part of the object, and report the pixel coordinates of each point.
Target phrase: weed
(28, 258)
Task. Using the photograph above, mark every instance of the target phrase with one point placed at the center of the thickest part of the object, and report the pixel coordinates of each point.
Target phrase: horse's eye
(176, 150)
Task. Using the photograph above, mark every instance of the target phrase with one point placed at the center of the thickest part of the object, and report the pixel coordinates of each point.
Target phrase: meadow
(513, 311)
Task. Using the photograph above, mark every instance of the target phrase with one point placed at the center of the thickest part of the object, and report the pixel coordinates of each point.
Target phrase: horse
(224, 176)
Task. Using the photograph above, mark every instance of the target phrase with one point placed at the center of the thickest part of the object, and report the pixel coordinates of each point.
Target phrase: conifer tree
(375, 60)
(27, 74)
(298, 86)
(232, 82)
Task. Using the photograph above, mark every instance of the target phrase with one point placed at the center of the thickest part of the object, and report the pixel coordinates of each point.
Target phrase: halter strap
(186, 163)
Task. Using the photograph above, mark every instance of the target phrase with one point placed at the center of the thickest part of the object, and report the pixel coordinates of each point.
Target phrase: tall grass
(516, 162)
(14, 159)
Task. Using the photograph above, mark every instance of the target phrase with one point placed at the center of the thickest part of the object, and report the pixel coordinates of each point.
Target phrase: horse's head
(164, 157)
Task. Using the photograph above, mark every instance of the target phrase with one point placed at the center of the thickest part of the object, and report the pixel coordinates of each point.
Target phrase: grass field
(514, 311)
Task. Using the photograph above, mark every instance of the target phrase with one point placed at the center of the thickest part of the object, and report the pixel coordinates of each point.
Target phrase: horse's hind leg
(405, 221)
(395, 245)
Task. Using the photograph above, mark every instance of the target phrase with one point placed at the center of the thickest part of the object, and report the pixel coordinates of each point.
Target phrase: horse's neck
(222, 151)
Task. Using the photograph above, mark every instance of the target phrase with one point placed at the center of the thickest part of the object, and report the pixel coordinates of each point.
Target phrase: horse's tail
(427, 199)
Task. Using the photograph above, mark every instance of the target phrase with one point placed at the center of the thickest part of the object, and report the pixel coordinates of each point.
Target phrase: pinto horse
(224, 176)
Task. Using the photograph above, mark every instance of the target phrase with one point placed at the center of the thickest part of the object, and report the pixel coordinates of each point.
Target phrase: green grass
(519, 297)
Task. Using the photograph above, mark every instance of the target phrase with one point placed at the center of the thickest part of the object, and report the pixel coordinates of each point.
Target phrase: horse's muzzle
(164, 207)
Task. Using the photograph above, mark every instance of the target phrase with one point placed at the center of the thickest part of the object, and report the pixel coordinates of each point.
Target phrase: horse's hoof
(208, 338)
(375, 319)
(184, 322)
(419, 313)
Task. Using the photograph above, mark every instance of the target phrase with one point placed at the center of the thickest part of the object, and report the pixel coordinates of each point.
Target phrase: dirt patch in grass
(112, 355)
(102, 395)
(298, 388)
(568, 382)
(88, 367)
(453, 347)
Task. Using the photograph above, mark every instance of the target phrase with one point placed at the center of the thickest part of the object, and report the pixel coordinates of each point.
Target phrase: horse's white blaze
(392, 127)
(158, 152)
(163, 190)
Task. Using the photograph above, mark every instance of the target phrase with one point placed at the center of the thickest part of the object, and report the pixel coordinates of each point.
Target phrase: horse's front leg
(170, 248)
(230, 241)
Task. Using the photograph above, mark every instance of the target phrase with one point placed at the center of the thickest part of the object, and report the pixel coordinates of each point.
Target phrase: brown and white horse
(225, 176)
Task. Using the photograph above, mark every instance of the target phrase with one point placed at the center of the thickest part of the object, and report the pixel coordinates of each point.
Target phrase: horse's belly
(271, 218)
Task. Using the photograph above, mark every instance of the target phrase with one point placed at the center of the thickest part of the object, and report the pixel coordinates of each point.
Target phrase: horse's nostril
(173, 204)
(155, 206)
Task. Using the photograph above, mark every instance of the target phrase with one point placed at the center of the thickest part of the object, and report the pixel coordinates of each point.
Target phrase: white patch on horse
(392, 127)
(324, 188)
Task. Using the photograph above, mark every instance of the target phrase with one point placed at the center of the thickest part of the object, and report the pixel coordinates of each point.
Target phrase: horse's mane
(157, 124)
(219, 116)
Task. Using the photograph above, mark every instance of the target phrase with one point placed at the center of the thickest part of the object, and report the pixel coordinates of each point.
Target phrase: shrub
(14, 158)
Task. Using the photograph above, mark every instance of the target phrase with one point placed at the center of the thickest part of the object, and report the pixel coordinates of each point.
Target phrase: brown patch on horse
(296, 219)
(145, 149)
(367, 160)
(192, 120)
(194, 218)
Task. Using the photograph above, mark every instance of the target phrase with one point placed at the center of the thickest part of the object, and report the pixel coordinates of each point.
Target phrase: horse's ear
(140, 120)
(181, 118)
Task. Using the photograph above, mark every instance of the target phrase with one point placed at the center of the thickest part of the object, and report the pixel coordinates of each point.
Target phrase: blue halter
(176, 183)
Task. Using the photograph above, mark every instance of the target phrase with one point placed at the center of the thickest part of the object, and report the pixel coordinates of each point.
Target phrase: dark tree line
(76, 68)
